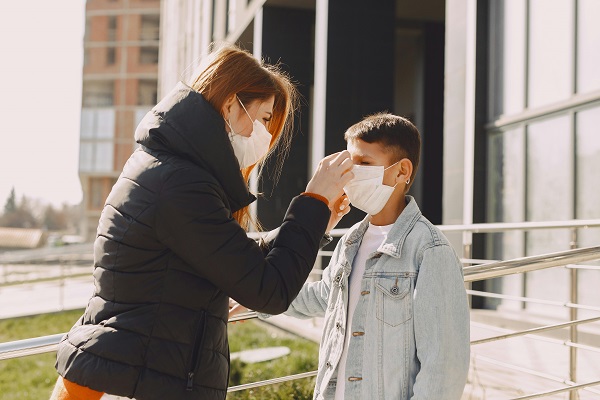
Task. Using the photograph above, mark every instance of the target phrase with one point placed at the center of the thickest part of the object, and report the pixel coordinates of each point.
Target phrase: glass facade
(550, 56)
(543, 138)
(588, 45)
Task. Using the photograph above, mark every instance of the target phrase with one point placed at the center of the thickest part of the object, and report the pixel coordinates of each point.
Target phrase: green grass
(303, 357)
(33, 377)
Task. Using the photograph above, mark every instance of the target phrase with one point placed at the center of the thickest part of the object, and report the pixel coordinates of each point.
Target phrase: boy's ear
(404, 171)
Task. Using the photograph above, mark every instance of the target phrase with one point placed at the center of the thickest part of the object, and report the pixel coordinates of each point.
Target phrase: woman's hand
(236, 308)
(332, 174)
(340, 208)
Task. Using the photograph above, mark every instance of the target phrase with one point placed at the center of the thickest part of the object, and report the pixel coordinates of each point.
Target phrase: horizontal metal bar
(584, 267)
(244, 316)
(577, 101)
(28, 347)
(531, 300)
(491, 227)
(476, 261)
(557, 391)
(529, 371)
(566, 343)
(535, 330)
(519, 226)
(531, 263)
(48, 344)
(271, 381)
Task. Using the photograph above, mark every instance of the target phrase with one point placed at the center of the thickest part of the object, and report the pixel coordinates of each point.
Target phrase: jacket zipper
(198, 341)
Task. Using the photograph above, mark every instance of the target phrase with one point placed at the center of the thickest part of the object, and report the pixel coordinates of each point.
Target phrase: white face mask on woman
(248, 150)
(366, 190)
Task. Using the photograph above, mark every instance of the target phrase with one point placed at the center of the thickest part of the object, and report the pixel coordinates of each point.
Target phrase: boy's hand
(340, 208)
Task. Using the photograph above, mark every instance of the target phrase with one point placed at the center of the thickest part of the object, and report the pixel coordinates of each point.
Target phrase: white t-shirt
(372, 239)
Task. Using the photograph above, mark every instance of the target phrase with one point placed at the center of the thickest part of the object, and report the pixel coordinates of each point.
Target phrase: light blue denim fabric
(410, 331)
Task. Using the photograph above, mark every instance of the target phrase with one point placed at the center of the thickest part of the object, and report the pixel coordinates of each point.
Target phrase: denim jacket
(410, 331)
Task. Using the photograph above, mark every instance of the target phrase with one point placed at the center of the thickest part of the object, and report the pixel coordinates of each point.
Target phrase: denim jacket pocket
(393, 305)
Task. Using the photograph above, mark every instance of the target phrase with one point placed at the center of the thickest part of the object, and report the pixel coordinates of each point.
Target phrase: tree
(11, 202)
(18, 215)
(55, 220)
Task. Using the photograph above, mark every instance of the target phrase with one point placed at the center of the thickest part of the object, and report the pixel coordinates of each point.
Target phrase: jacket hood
(183, 123)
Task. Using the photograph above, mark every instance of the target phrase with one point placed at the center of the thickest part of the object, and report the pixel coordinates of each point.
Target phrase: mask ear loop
(391, 167)
(232, 133)
(242, 104)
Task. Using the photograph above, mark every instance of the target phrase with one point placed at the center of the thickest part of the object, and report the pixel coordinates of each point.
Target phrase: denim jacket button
(355, 378)
(364, 292)
(338, 325)
(328, 364)
(358, 333)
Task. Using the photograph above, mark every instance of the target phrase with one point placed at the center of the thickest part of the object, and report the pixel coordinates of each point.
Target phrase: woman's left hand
(340, 208)
(236, 308)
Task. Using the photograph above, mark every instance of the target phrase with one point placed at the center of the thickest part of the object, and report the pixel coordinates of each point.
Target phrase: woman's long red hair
(230, 71)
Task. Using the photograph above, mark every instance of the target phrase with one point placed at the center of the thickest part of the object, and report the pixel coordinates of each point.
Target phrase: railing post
(467, 240)
(61, 286)
(573, 315)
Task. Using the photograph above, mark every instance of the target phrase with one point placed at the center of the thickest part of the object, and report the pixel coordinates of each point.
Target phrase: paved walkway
(499, 370)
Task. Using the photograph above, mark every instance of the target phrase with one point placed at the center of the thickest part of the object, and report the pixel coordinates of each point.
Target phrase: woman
(171, 245)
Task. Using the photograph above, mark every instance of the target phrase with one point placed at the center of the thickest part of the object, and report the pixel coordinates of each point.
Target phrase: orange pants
(66, 390)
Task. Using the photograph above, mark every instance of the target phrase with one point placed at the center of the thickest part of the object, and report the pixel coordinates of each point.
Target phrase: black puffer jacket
(168, 254)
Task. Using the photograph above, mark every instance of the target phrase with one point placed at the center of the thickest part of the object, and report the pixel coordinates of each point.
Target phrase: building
(506, 94)
(21, 238)
(120, 76)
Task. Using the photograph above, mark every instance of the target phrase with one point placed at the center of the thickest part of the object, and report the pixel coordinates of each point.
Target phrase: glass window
(506, 184)
(87, 129)
(549, 198)
(96, 195)
(588, 200)
(85, 157)
(514, 56)
(588, 46)
(98, 93)
(550, 51)
(105, 124)
(140, 113)
(148, 55)
(88, 29)
(549, 176)
(150, 29)
(147, 92)
(112, 29)
(507, 60)
(110, 55)
(588, 165)
(104, 157)
(506, 203)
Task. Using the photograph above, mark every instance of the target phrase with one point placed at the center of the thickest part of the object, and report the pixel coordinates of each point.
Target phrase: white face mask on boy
(248, 150)
(366, 190)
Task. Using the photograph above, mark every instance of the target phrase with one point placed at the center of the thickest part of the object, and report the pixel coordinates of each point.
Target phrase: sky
(41, 59)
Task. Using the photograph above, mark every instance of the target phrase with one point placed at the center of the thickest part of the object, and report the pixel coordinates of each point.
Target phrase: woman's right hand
(332, 174)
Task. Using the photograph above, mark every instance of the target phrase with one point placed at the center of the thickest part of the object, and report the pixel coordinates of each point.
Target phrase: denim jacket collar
(395, 239)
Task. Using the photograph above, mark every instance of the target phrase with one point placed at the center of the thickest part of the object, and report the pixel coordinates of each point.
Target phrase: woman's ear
(226, 109)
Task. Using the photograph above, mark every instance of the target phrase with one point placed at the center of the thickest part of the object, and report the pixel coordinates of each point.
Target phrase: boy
(396, 315)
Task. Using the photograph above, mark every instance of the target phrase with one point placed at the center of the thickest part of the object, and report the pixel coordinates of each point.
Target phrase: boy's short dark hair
(396, 134)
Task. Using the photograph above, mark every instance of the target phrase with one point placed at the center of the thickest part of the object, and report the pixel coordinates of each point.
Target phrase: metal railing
(567, 259)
